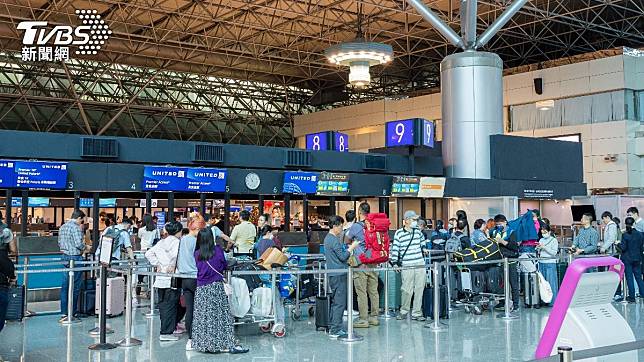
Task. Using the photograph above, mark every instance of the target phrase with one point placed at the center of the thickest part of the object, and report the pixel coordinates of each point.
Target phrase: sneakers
(373, 321)
(62, 319)
(355, 313)
(337, 334)
(238, 350)
(360, 323)
(168, 338)
(418, 318)
(401, 316)
(630, 300)
(180, 329)
(189, 345)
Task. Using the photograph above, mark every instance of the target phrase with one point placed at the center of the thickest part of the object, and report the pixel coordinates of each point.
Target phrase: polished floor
(467, 338)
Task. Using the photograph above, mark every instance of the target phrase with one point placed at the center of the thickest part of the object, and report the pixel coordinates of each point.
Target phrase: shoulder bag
(175, 282)
(228, 289)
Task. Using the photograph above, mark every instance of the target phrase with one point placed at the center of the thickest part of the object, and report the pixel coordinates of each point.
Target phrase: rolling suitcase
(395, 284)
(115, 296)
(466, 280)
(561, 271)
(428, 302)
(478, 281)
(16, 306)
(322, 304)
(494, 280)
(530, 283)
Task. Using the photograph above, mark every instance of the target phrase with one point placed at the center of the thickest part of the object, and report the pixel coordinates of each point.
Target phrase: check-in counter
(37, 250)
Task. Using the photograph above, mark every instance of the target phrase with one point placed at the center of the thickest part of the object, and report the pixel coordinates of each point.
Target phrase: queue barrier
(435, 325)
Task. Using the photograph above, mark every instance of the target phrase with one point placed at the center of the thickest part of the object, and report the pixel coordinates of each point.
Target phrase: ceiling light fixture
(359, 55)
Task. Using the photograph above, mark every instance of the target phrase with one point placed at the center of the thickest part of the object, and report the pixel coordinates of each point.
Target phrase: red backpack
(376, 235)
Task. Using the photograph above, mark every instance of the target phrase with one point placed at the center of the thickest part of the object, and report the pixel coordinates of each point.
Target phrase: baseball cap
(410, 214)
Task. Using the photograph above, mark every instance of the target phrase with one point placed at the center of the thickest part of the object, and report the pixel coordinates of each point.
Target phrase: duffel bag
(485, 250)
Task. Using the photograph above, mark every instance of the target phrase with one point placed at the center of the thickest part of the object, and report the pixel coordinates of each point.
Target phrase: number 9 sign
(400, 133)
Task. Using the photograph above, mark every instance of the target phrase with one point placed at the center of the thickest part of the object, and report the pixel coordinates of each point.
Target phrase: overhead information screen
(87, 202)
(40, 175)
(333, 184)
(410, 132)
(31, 202)
(162, 178)
(7, 177)
(300, 183)
(317, 141)
(405, 186)
(206, 180)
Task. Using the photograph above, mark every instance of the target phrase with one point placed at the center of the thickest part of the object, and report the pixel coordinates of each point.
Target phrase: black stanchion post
(102, 342)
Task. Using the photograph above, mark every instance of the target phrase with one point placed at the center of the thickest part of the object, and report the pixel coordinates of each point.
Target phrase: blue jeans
(633, 270)
(65, 286)
(549, 271)
(4, 303)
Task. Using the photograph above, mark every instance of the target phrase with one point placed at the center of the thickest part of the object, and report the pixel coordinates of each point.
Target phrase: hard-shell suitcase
(479, 281)
(530, 283)
(16, 306)
(561, 271)
(466, 280)
(87, 302)
(428, 302)
(395, 284)
(115, 296)
(494, 280)
(322, 312)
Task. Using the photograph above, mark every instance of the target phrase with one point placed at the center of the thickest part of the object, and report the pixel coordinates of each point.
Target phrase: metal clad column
(170, 206)
(472, 110)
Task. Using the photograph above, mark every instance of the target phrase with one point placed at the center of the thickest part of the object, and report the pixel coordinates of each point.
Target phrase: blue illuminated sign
(428, 133)
(340, 142)
(160, 178)
(317, 141)
(399, 133)
(160, 219)
(32, 202)
(300, 182)
(7, 176)
(206, 180)
(40, 175)
(86, 202)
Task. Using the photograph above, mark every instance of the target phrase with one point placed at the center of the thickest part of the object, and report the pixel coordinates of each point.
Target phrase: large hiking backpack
(376, 236)
(453, 244)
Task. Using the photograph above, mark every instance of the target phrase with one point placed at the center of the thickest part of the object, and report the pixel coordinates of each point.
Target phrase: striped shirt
(414, 255)
(70, 238)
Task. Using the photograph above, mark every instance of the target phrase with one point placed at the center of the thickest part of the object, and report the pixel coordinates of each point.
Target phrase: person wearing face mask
(267, 240)
(407, 250)
(548, 247)
(509, 249)
(451, 223)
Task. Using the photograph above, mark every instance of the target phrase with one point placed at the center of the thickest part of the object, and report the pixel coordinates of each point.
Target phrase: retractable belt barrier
(132, 267)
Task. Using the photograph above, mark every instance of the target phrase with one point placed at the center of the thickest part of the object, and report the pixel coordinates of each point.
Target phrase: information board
(333, 184)
(317, 141)
(160, 219)
(87, 202)
(31, 202)
(432, 187)
(300, 183)
(428, 131)
(399, 133)
(7, 176)
(161, 178)
(405, 186)
(341, 142)
(40, 175)
(206, 179)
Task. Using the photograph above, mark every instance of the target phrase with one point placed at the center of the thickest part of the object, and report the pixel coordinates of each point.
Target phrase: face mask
(545, 235)
(414, 224)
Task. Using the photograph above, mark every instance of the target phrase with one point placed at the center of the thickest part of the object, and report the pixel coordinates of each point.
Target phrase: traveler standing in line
(462, 215)
(610, 234)
(451, 223)
(480, 232)
(549, 247)
(509, 249)
(217, 233)
(7, 269)
(587, 238)
(72, 245)
(186, 264)
(336, 258)
(267, 241)
(365, 282)
(212, 327)
(489, 226)
(632, 246)
(635, 214)
(149, 235)
(265, 220)
(407, 251)
(163, 256)
(244, 234)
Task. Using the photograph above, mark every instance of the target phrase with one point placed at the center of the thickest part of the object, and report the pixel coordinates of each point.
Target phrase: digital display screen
(31, 202)
(160, 219)
(7, 176)
(399, 133)
(341, 142)
(87, 202)
(405, 186)
(333, 184)
(300, 183)
(40, 175)
(317, 141)
(161, 178)
(206, 180)
(428, 133)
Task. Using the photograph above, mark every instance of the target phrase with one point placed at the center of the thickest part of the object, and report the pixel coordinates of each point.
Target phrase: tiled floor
(468, 338)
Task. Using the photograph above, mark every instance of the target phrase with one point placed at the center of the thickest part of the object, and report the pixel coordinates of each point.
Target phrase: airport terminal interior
(329, 180)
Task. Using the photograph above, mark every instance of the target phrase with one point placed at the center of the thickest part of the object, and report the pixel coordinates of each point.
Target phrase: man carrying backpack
(365, 282)
(407, 250)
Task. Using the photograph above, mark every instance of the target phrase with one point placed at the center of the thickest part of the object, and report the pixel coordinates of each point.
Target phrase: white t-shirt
(147, 237)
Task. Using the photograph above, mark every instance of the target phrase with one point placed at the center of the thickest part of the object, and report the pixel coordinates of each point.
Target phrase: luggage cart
(304, 285)
(474, 286)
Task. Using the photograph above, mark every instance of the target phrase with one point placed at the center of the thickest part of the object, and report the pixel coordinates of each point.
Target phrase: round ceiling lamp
(359, 55)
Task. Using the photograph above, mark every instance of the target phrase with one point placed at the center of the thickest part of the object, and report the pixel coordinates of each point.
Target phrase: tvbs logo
(40, 43)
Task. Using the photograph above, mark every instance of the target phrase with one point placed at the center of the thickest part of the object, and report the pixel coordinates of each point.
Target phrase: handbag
(228, 289)
(175, 282)
(545, 290)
